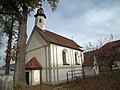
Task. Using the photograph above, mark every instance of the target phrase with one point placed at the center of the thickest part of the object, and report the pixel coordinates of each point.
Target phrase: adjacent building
(96, 61)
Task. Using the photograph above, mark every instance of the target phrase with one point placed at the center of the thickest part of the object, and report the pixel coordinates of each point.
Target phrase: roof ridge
(54, 33)
(114, 41)
(58, 34)
(111, 42)
(58, 39)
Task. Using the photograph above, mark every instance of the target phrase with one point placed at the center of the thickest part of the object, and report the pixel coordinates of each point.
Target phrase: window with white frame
(77, 58)
(65, 57)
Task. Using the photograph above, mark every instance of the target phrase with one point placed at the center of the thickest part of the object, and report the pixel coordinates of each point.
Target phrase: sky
(83, 21)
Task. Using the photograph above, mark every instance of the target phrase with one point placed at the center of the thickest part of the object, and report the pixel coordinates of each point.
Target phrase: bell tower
(40, 18)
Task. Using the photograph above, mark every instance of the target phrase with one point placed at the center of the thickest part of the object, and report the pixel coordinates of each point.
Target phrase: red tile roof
(88, 58)
(111, 45)
(57, 39)
(33, 64)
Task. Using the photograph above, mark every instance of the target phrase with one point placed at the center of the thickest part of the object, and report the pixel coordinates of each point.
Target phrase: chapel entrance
(27, 77)
(31, 66)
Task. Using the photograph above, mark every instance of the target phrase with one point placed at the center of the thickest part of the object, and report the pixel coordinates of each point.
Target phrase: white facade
(59, 70)
(40, 22)
(50, 56)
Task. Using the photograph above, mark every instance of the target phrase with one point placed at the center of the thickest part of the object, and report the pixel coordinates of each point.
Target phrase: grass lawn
(102, 82)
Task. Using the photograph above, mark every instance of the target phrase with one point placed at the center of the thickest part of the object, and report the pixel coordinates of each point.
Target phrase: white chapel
(50, 56)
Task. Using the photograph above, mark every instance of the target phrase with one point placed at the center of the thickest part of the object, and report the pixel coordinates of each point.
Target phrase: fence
(6, 82)
(71, 75)
(74, 73)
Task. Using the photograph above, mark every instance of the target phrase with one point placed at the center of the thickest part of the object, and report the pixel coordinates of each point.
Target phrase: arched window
(76, 59)
(40, 20)
(65, 57)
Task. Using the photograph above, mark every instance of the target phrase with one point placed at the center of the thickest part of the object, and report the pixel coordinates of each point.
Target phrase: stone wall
(6, 82)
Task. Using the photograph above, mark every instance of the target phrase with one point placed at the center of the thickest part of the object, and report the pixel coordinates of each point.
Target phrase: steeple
(40, 18)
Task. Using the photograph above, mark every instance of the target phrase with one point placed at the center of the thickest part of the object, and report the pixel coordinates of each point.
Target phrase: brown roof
(88, 58)
(33, 64)
(57, 39)
(111, 45)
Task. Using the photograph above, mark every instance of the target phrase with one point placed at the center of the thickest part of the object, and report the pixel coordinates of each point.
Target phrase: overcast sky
(82, 20)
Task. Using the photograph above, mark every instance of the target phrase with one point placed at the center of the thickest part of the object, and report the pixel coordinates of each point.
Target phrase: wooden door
(27, 78)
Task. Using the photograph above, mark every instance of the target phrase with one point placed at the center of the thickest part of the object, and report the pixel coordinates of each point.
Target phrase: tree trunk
(8, 56)
(19, 75)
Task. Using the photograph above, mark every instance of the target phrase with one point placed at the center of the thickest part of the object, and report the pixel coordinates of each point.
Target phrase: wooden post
(31, 77)
(83, 73)
(40, 79)
(94, 72)
(72, 74)
(67, 78)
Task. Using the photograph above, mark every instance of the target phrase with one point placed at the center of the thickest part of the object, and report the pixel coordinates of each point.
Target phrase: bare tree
(105, 51)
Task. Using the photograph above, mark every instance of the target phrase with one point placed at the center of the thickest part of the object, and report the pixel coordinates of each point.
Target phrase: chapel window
(65, 57)
(76, 59)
